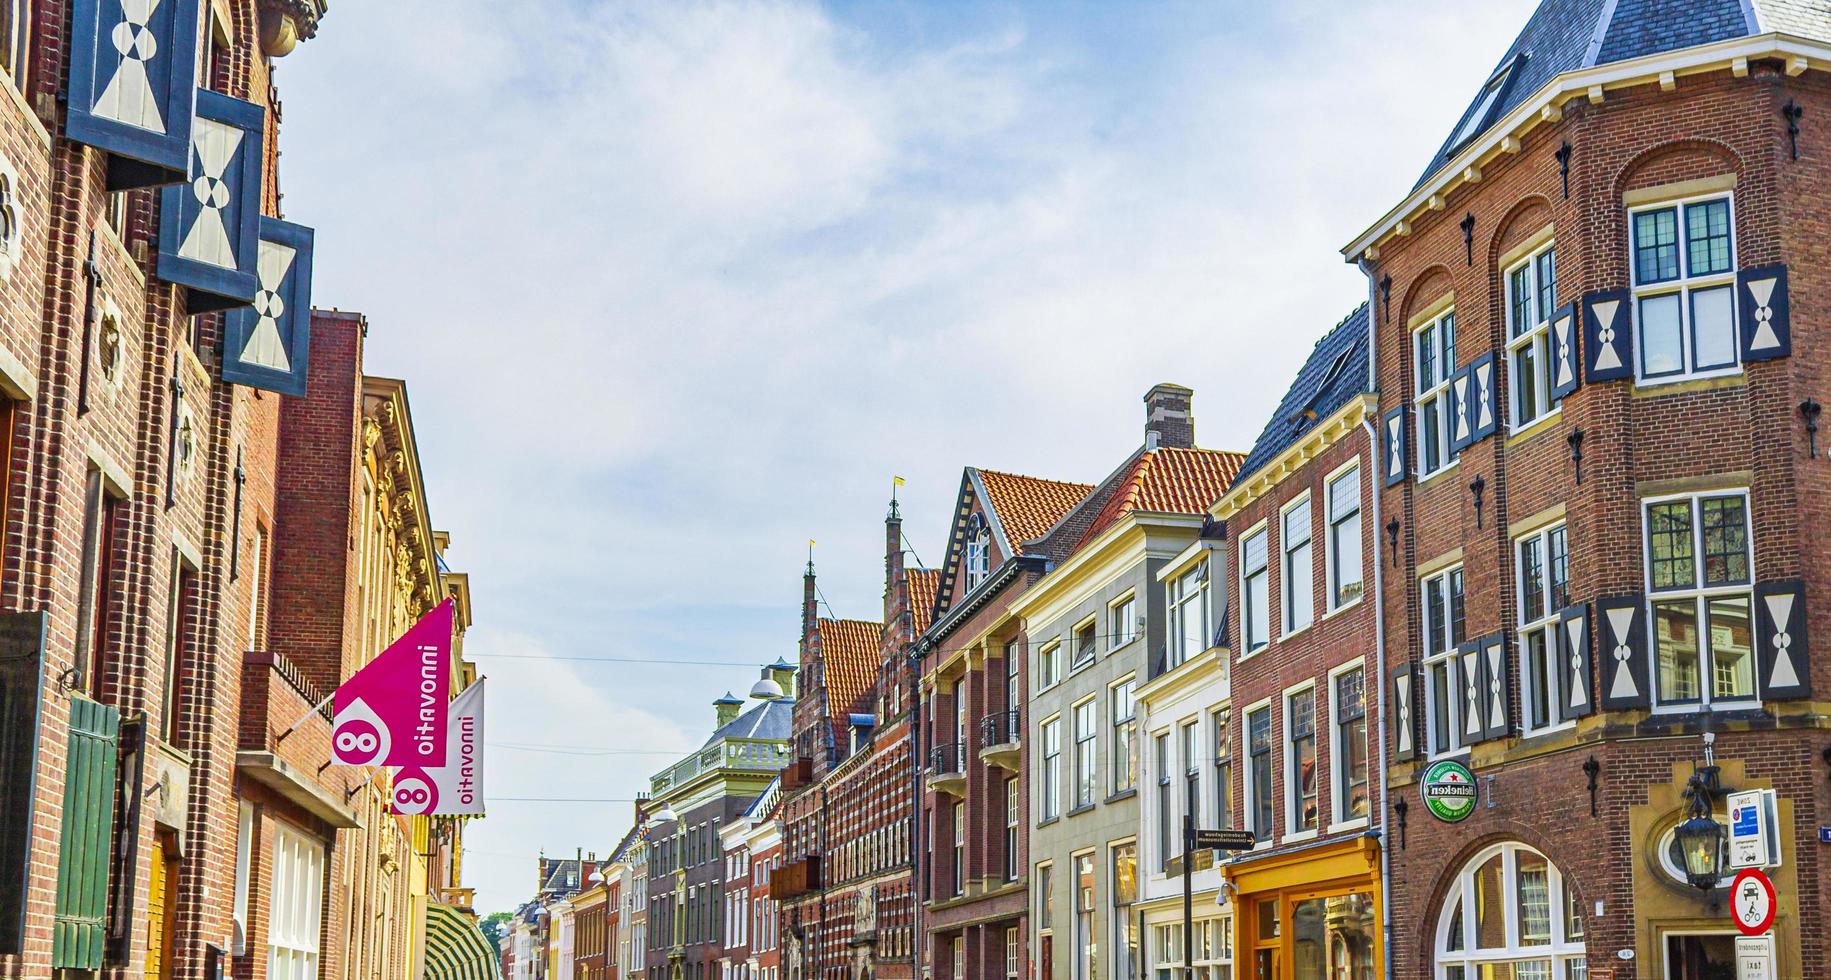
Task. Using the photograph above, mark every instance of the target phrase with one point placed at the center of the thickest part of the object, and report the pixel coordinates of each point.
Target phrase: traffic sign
(1226, 840)
(1751, 901)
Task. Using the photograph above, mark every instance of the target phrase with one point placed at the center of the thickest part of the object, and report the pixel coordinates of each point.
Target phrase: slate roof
(1566, 35)
(765, 719)
(1028, 506)
(849, 648)
(1334, 374)
(1168, 480)
(923, 584)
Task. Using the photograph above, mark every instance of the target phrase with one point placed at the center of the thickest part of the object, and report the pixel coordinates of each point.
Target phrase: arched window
(978, 552)
(1510, 906)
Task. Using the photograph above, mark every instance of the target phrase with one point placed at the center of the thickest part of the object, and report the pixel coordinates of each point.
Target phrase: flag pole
(314, 709)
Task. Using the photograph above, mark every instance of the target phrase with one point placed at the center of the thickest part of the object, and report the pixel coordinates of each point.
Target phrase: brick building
(975, 865)
(1305, 902)
(846, 888)
(1599, 443)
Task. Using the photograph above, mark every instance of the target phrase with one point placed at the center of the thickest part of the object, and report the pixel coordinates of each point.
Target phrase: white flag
(456, 788)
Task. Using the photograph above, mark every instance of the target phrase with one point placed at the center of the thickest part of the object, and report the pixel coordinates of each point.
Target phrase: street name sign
(1226, 840)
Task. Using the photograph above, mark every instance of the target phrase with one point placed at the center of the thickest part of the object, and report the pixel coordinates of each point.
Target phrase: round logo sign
(1449, 791)
(1751, 901)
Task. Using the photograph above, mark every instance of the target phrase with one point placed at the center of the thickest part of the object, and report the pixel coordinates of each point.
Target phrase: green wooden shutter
(83, 851)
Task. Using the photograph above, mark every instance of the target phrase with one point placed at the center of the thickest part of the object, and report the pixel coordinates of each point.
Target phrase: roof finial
(895, 512)
(810, 556)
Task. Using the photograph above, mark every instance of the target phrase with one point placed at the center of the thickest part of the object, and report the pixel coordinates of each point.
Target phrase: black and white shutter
(209, 228)
(1472, 685)
(1574, 664)
(1484, 411)
(1565, 375)
(1496, 687)
(133, 79)
(1462, 415)
(265, 345)
(1608, 336)
(1782, 653)
(1763, 317)
(1392, 444)
(1621, 645)
(1404, 722)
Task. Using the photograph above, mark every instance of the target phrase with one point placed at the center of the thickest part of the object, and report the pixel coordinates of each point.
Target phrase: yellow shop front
(1309, 913)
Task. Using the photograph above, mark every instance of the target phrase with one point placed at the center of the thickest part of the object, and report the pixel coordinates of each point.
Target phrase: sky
(679, 286)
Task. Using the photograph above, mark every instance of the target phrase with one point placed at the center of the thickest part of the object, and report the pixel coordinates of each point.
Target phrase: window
(1350, 745)
(1212, 942)
(1189, 745)
(1698, 577)
(1123, 617)
(1684, 289)
(244, 856)
(1298, 574)
(1544, 590)
(16, 44)
(1045, 896)
(1052, 769)
(293, 917)
(96, 597)
(1013, 958)
(1084, 962)
(1086, 642)
(1086, 751)
(258, 589)
(1166, 807)
(1435, 353)
(1049, 665)
(959, 849)
(1344, 543)
(1013, 812)
(1188, 600)
(1259, 764)
(1508, 914)
(1223, 768)
(1125, 736)
(978, 553)
(1300, 759)
(1125, 925)
(1472, 123)
(1255, 589)
(1531, 299)
(1443, 630)
(181, 626)
(215, 52)
(1014, 694)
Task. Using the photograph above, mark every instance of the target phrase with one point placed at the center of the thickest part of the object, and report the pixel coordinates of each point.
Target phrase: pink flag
(394, 711)
(455, 789)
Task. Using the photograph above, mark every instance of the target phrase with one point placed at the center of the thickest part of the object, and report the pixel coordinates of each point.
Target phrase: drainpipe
(1379, 622)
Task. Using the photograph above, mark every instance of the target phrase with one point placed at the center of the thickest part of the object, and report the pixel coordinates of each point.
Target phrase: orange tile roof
(849, 648)
(923, 584)
(1029, 506)
(1169, 480)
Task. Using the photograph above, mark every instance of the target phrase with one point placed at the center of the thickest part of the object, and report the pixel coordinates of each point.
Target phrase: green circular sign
(1449, 791)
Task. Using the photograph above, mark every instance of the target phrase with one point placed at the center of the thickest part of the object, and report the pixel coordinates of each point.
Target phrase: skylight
(1483, 105)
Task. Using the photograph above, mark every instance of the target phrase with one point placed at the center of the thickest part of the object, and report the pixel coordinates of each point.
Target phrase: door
(1700, 956)
(161, 908)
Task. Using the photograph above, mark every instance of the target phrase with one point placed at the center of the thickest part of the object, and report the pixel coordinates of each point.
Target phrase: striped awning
(455, 948)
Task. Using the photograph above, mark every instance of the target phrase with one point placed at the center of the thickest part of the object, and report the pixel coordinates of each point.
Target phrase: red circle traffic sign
(1752, 901)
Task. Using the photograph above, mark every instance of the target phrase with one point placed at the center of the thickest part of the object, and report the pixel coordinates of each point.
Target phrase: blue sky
(678, 286)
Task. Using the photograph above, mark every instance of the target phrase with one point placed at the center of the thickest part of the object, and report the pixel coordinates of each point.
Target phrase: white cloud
(677, 286)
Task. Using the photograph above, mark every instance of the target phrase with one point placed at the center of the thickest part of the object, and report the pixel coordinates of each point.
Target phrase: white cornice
(1324, 434)
(1547, 105)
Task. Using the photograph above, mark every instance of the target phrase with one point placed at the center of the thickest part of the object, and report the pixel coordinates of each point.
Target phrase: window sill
(1083, 808)
(1124, 794)
(1299, 631)
(1297, 838)
(1562, 726)
(1344, 607)
(1437, 474)
(1115, 648)
(1358, 823)
(1654, 388)
(1046, 821)
(1547, 421)
(1248, 655)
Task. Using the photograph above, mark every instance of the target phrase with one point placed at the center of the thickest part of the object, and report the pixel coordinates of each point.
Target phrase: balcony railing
(795, 879)
(752, 754)
(1000, 728)
(947, 760)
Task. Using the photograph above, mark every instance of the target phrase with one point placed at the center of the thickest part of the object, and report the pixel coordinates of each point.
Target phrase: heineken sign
(1449, 791)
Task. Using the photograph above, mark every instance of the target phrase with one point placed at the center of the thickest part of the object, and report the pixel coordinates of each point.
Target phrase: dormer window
(978, 552)
(1478, 116)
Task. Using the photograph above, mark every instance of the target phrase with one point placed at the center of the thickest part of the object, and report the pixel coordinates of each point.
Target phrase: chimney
(1167, 418)
(727, 708)
(783, 673)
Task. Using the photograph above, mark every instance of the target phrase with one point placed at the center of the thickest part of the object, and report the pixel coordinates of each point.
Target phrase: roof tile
(1169, 480)
(849, 648)
(923, 583)
(1029, 506)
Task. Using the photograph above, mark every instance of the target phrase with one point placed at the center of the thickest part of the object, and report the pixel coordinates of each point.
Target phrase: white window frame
(295, 924)
(1436, 392)
(1293, 789)
(1049, 665)
(1013, 817)
(1188, 749)
(1049, 788)
(1533, 337)
(1338, 766)
(1684, 286)
(1289, 606)
(1701, 593)
(978, 557)
(1255, 630)
(1090, 627)
(1186, 598)
(244, 856)
(960, 847)
(1086, 751)
(1166, 839)
(1122, 615)
(1439, 659)
(1251, 795)
(1086, 934)
(1544, 627)
(1013, 962)
(1560, 951)
(1331, 543)
(1126, 725)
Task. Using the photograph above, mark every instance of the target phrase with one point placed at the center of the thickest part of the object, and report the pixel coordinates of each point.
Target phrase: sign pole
(1189, 891)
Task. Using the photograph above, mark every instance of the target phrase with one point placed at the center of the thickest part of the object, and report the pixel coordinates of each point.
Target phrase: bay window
(1188, 602)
